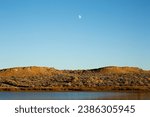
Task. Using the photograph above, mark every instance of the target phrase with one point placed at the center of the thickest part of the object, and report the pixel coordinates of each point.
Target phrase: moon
(79, 16)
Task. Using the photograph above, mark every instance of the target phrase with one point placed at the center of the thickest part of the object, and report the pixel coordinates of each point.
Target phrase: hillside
(44, 78)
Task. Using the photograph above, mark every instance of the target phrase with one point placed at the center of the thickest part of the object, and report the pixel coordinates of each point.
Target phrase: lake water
(74, 95)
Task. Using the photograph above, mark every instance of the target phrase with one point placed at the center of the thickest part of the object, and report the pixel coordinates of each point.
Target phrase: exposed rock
(106, 78)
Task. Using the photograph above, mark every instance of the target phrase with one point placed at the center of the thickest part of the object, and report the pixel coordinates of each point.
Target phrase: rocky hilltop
(51, 79)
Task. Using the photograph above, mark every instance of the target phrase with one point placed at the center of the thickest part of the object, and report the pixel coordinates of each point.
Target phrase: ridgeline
(50, 79)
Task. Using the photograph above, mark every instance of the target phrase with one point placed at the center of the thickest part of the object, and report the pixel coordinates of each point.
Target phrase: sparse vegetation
(50, 79)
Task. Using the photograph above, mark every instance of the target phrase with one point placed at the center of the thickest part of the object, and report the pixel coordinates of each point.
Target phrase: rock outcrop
(44, 78)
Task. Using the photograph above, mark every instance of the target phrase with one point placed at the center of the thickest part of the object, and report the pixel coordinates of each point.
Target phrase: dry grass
(50, 79)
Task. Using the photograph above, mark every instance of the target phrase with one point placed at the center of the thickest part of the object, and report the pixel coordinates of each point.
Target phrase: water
(74, 95)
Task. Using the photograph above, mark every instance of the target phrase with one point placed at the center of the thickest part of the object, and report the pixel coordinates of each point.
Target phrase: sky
(75, 34)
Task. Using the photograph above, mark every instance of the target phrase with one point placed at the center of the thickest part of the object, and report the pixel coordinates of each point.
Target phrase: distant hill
(44, 78)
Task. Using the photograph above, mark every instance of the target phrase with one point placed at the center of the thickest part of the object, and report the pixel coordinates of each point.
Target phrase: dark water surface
(74, 95)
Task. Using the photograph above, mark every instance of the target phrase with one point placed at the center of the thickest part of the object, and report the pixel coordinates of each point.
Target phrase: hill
(44, 78)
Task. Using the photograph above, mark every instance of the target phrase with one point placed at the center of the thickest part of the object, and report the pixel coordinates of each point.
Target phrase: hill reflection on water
(74, 95)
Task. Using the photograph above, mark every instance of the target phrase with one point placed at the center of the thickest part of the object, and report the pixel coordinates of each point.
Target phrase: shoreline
(66, 89)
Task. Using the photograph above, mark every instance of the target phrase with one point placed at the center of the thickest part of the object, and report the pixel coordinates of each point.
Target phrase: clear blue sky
(51, 33)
